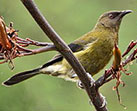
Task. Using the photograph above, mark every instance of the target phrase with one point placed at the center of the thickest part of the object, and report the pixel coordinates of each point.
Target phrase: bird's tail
(17, 78)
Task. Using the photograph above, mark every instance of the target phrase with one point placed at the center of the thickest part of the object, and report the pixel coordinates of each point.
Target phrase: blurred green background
(71, 19)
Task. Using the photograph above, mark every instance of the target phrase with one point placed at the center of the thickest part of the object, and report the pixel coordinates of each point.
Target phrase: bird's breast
(96, 56)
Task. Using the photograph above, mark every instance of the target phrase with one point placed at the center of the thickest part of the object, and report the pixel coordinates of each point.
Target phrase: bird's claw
(104, 101)
(91, 79)
(80, 85)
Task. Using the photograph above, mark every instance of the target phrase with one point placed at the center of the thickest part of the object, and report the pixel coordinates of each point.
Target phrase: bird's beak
(124, 12)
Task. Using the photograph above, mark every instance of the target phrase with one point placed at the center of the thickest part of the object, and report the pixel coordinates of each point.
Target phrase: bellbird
(93, 50)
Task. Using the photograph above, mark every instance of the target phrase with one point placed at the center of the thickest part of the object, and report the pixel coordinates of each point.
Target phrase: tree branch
(95, 97)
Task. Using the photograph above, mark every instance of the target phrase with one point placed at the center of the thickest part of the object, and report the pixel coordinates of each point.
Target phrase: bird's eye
(111, 16)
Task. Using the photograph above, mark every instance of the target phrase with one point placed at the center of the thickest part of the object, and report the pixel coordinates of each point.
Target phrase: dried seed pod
(4, 40)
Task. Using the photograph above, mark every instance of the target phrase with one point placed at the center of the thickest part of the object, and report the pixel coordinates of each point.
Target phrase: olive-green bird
(93, 50)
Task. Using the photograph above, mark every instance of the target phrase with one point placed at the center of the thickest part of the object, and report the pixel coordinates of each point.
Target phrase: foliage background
(71, 19)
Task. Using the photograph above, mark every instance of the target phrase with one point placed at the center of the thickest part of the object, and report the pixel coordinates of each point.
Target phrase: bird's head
(112, 19)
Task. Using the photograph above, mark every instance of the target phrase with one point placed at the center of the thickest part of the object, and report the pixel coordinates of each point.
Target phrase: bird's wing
(59, 57)
(75, 47)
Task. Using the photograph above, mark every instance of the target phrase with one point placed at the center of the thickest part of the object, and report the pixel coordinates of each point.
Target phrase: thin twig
(39, 50)
(130, 46)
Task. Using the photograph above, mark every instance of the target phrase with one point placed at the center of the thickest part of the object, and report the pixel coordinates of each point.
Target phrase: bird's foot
(104, 100)
(80, 85)
(91, 79)
(103, 103)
